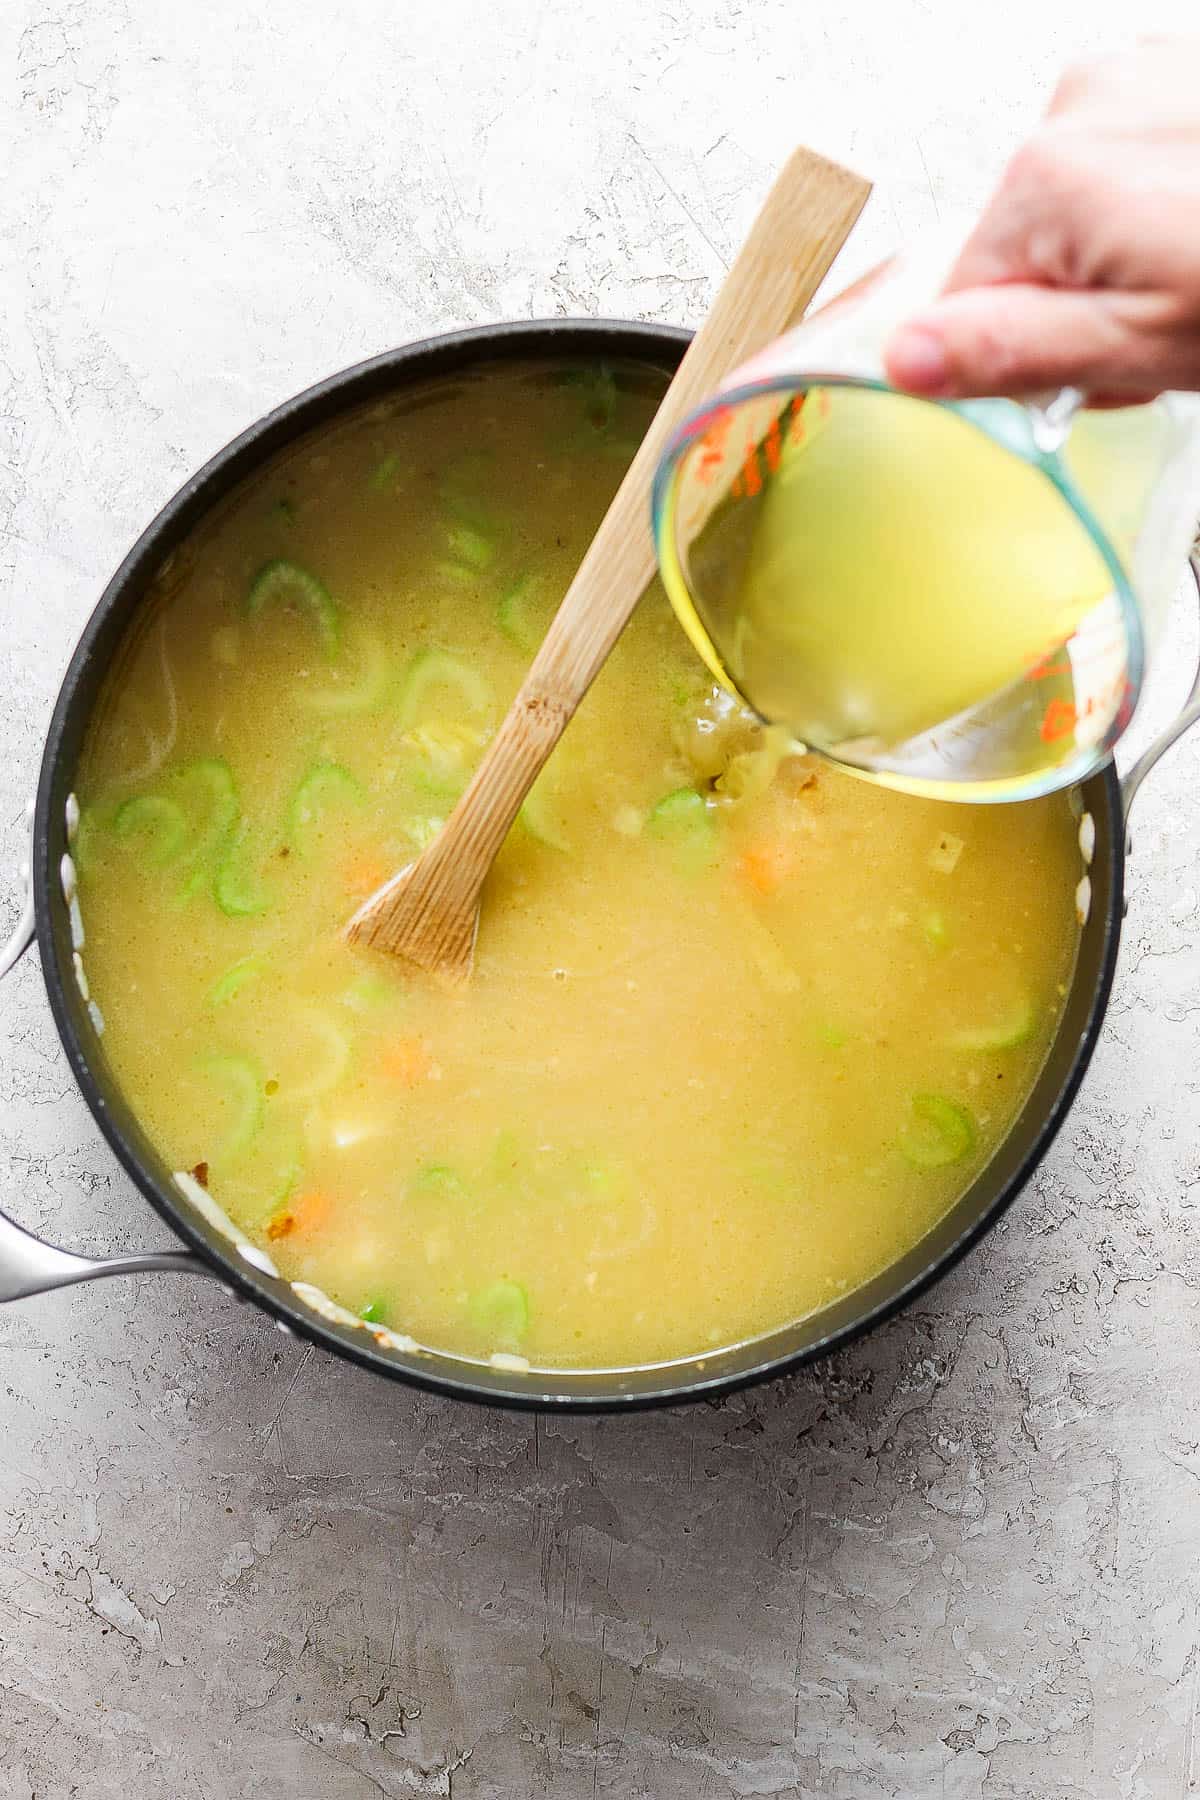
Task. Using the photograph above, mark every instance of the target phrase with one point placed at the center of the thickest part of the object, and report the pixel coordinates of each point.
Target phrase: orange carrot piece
(407, 1061)
(764, 868)
(306, 1213)
(363, 872)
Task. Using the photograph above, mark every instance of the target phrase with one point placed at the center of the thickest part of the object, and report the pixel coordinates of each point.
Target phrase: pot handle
(27, 1265)
(1184, 719)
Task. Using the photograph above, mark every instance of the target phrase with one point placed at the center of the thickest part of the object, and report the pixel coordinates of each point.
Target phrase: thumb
(1021, 339)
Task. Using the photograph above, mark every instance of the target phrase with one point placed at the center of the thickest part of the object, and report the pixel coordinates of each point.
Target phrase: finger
(1020, 339)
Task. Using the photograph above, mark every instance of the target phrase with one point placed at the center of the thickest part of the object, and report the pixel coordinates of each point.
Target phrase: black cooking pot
(28, 1266)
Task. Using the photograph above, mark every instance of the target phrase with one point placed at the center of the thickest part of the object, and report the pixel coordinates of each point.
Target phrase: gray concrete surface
(958, 1562)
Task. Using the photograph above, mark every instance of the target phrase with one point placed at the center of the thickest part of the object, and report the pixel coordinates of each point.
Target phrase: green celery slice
(385, 472)
(431, 670)
(441, 1179)
(472, 548)
(326, 786)
(682, 810)
(227, 986)
(1008, 1032)
(159, 822)
(938, 1132)
(684, 820)
(515, 615)
(369, 991)
(537, 814)
(206, 786)
(330, 1052)
(236, 891)
(459, 488)
(501, 1311)
(239, 1077)
(365, 686)
(280, 581)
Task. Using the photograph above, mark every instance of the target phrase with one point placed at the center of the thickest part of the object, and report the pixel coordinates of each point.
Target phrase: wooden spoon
(429, 912)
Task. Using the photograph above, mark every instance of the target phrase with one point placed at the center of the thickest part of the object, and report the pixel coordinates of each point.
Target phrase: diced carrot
(407, 1061)
(305, 1214)
(765, 867)
(362, 872)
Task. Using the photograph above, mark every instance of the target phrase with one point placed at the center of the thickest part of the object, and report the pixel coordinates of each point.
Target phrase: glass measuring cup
(955, 598)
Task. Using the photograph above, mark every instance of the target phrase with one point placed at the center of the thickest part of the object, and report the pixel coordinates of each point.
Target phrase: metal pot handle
(27, 1265)
(1187, 716)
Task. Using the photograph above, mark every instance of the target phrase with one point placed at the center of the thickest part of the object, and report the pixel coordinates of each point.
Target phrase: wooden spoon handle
(802, 225)
(428, 913)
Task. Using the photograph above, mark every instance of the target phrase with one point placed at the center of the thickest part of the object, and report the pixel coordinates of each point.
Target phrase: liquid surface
(741, 1029)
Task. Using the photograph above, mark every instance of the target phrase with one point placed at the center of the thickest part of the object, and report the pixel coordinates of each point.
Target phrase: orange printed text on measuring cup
(710, 450)
(1058, 721)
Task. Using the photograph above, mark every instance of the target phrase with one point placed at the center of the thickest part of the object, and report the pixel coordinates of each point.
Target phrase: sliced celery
(937, 1133)
(235, 978)
(434, 671)
(328, 1059)
(456, 573)
(422, 828)
(157, 821)
(1016, 1027)
(470, 546)
(684, 820)
(327, 787)
(682, 810)
(522, 613)
(501, 1312)
(448, 751)
(359, 685)
(236, 890)
(373, 1313)
(540, 816)
(282, 583)
(385, 472)
(440, 1179)
(935, 930)
(369, 991)
(460, 489)
(207, 791)
(242, 1084)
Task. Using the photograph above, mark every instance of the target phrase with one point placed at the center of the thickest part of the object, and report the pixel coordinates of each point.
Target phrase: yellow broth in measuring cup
(905, 591)
(741, 1029)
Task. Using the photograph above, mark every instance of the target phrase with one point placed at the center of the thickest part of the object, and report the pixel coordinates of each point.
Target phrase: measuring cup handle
(1187, 716)
(27, 1264)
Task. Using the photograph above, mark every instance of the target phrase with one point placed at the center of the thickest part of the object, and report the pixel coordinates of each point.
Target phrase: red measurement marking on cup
(772, 446)
(1058, 721)
(1061, 717)
(710, 450)
(748, 481)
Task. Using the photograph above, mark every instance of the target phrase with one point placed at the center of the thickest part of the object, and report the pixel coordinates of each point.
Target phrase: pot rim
(326, 399)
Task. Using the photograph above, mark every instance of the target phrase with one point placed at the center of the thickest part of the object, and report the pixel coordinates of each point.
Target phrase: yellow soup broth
(741, 1029)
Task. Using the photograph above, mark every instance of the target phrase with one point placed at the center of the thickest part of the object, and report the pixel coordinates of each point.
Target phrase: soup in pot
(741, 1029)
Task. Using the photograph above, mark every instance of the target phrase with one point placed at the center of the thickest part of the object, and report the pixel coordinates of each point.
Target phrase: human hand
(1084, 270)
